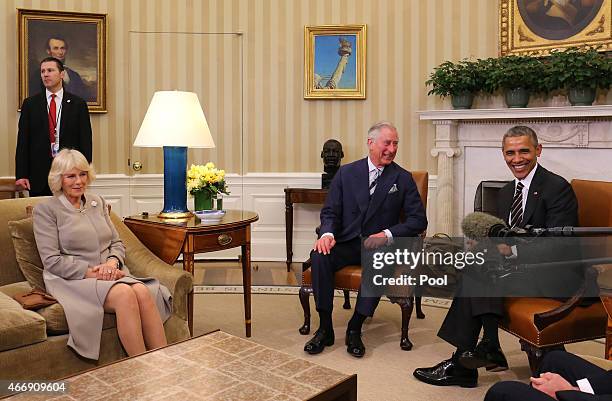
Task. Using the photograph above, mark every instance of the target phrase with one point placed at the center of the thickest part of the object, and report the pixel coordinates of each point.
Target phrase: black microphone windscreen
(477, 225)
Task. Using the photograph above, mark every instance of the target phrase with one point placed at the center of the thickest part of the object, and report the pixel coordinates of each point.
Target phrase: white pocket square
(393, 189)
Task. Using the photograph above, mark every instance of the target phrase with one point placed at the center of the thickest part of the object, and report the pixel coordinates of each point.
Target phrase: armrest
(545, 319)
(604, 277)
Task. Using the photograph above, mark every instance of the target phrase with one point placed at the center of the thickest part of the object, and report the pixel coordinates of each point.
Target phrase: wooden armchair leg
(304, 295)
(347, 300)
(536, 354)
(407, 307)
(419, 311)
(417, 300)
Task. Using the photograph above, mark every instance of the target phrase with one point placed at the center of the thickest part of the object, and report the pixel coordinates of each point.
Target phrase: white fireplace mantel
(530, 113)
(576, 140)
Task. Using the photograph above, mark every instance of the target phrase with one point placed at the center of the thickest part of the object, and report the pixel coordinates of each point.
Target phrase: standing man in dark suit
(365, 201)
(49, 121)
(562, 376)
(535, 197)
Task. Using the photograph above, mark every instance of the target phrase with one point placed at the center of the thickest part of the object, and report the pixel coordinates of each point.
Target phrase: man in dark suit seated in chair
(365, 201)
(536, 197)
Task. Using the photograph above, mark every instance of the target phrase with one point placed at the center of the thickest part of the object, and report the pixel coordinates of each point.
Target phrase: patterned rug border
(292, 290)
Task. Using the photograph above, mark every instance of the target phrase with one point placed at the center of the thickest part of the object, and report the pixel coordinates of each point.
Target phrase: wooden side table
(298, 195)
(169, 238)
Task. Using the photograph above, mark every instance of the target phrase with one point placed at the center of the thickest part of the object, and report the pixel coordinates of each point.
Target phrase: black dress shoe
(321, 339)
(448, 373)
(485, 354)
(354, 345)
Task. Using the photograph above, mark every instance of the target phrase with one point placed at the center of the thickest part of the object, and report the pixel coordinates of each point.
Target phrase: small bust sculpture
(331, 154)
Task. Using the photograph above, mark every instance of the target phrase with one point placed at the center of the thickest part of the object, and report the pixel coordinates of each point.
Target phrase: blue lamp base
(175, 183)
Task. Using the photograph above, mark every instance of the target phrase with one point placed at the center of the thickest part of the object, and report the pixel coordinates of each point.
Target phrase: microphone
(480, 225)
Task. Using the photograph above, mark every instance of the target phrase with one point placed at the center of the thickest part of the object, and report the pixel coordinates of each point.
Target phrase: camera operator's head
(521, 150)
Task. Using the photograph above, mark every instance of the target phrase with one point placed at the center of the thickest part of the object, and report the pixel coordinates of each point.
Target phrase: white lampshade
(174, 119)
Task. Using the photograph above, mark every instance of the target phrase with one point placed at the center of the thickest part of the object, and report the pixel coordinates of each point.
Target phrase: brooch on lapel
(68, 101)
(393, 189)
(94, 203)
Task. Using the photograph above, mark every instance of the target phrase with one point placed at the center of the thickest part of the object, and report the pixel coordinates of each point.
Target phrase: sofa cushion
(19, 327)
(22, 233)
(56, 320)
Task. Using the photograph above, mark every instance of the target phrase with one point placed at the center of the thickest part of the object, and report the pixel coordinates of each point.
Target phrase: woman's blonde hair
(66, 160)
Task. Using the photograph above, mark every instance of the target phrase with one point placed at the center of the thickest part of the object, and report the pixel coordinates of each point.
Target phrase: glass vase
(203, 201)
(219, 202)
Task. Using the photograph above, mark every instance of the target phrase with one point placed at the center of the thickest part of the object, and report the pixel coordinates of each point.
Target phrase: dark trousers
(462, 324)
(325, 266)
(568, 366)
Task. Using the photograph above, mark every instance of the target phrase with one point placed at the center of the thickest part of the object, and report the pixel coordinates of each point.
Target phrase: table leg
(189, 266)
(289, 231)
(246, 285)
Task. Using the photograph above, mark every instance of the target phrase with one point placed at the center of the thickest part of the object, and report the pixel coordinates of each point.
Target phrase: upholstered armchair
(349, 279)
(544, 324)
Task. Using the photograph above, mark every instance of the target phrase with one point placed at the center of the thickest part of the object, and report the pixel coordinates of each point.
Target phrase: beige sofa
(33, 344)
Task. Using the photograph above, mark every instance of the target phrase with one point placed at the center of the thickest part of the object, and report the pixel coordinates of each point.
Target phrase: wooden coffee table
(212, 367)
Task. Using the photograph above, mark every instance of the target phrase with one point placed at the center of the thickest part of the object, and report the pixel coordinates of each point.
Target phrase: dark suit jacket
(349, 212)
(551, 202)
(32, 156)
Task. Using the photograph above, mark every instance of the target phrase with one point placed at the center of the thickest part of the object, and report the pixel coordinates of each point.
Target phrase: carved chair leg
(417, 298)
(407, 307)
(536, 354)
(347, 300)
(304, 295)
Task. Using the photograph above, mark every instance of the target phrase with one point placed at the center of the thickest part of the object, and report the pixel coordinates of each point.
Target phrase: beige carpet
(385, 373)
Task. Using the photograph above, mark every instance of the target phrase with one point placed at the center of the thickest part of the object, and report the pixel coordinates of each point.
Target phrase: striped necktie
(374, 181)
(516, 211)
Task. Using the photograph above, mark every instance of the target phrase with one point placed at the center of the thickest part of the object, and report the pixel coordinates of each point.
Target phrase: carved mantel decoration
(576, 141)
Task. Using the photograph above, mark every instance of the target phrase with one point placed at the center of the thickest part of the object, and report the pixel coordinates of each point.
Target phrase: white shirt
(59, 95)
(526, 184)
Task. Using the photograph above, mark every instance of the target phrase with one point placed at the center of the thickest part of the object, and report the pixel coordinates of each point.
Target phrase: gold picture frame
(78, 38)
(335, 61)
(535, 27)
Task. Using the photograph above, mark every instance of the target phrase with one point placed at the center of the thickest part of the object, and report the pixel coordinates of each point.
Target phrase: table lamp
(174, 121)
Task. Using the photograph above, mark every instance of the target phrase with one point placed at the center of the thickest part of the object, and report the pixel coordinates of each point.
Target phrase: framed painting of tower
(335, 62)
(535, 27)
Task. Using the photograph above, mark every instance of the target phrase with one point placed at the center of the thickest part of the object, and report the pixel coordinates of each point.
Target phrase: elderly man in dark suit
(366, 201)
(49, 121)
(535, 197)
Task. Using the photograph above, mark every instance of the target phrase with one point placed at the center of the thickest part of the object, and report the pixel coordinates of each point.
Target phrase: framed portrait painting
(535, 27)
(77, 39)
(335, 62)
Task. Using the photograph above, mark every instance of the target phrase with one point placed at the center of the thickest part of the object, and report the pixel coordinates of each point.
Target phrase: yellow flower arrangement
(206, 178)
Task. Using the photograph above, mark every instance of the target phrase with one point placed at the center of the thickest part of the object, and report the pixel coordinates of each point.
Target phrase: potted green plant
(580, 71)
(459, 80)
(517, 76)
